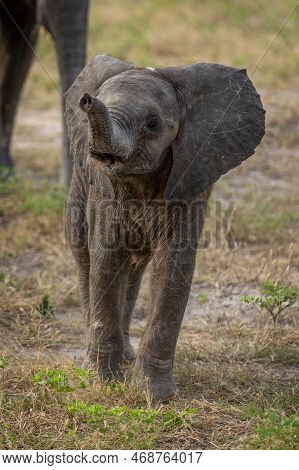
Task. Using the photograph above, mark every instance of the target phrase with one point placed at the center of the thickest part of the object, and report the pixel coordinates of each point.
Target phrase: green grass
(59, 380)
(22, 196)
(283, 354)
(253, 219)
(202, 297)
(171, 33)
(90, 416)
(275, 429)
(142, 420)
(3, 362)
(46, 308)
(261, 219)
(230, 397)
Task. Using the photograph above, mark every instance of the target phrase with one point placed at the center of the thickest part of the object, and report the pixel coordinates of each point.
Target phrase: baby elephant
(148, 146)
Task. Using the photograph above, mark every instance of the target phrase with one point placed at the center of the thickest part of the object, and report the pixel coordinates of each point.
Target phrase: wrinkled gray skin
(66, 21)
(148, 146)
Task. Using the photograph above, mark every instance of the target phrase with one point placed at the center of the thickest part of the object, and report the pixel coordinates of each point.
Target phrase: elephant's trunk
(106, 135)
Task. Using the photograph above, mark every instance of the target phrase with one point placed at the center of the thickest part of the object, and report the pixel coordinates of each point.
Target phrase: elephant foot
(157, 377)
(106, 365)
(111, 375)
(6, 166)
(162, 388)
(128, 351)
(5, 158)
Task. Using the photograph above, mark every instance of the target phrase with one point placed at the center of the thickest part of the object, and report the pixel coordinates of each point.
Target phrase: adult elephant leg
(18, 36)
(131, 294)
(67, 22)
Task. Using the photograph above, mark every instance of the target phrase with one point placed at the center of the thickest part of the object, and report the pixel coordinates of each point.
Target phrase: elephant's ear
(222, 124)
(99, 69)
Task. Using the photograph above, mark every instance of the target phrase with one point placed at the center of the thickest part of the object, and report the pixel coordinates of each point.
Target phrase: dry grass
(237, 371)
(230, 386)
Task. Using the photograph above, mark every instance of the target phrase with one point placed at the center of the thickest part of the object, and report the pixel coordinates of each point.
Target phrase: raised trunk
(107, 136)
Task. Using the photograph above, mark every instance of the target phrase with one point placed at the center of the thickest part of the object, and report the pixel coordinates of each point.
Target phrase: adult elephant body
(66, 21)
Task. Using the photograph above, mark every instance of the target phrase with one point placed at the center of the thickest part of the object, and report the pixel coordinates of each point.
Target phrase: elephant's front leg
(16, 53)
(107, 281)
(171, 282)
(66, 20)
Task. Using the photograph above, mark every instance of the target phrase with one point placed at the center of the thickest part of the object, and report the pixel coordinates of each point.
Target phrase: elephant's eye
(153, 123)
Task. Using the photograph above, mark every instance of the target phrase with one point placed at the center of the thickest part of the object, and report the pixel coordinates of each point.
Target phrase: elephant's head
(206, 118)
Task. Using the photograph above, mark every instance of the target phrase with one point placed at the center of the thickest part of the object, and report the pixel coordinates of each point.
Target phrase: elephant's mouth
(107, 160)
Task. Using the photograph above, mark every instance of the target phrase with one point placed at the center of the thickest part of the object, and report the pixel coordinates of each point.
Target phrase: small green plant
(2, 277)
(274, 298)
(278, 431)
(47, 200)
(3, 362)
(56, 379)
(102, 417)
(202, 297)
(45, 308)
(115, 387)
(276, 428)
(6, 173)
(82, 376)
(62, 381)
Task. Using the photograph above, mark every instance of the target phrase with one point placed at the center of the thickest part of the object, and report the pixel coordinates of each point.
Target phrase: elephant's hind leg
(16, 54)
(131, 294)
